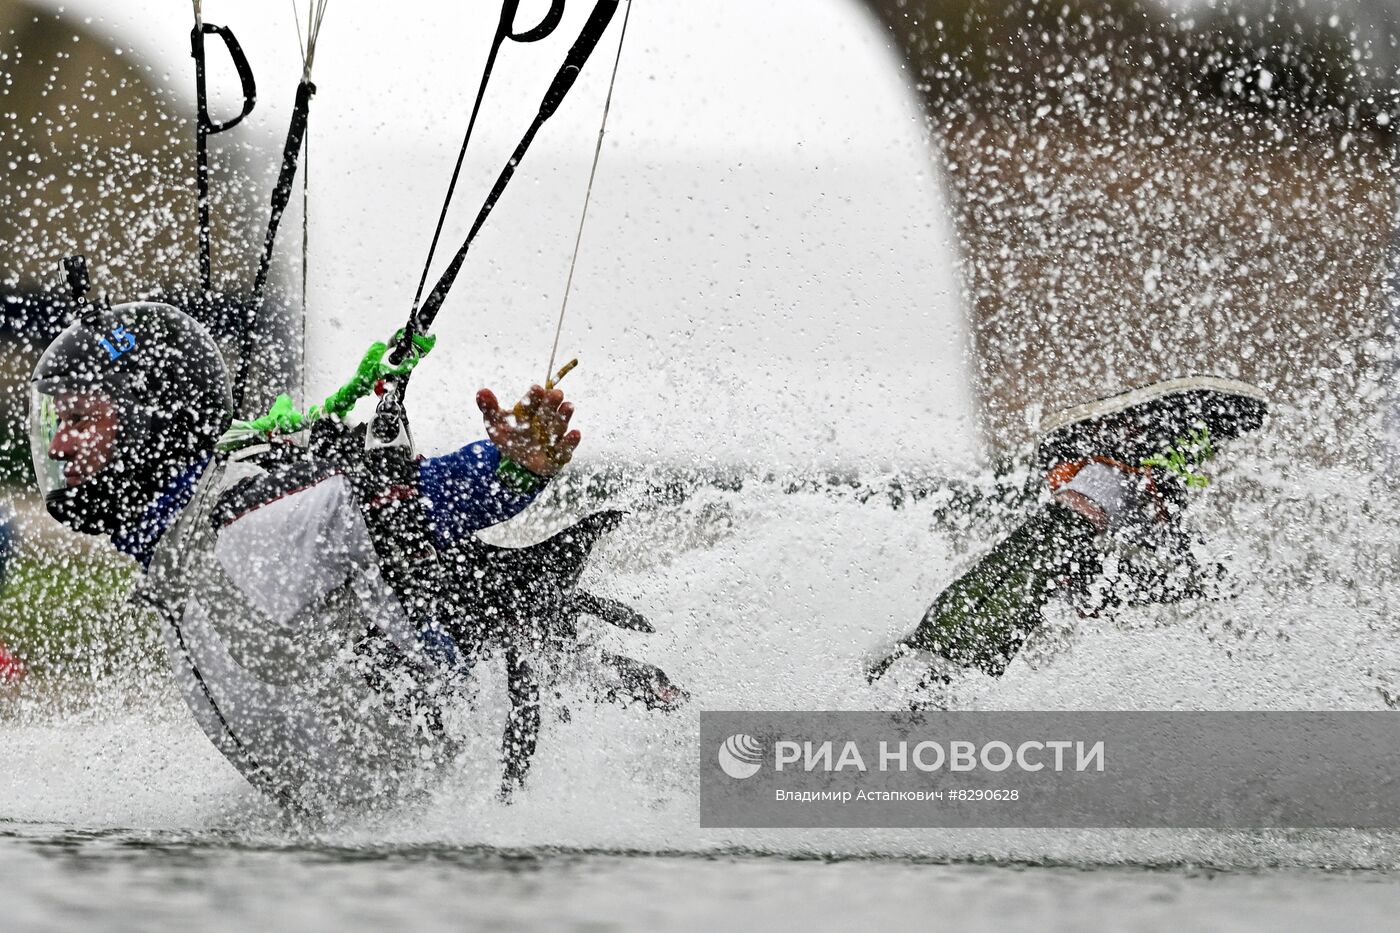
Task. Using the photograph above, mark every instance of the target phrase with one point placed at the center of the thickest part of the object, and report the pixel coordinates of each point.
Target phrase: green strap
(1186, 458)
(282, 418)
(373, 368)
(517, 479)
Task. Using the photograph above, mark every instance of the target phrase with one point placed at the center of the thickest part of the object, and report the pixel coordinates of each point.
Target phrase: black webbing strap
(421, 319)
(281, 197)
(504, 30)
(385, 483)
(522, 731)
(206, 127)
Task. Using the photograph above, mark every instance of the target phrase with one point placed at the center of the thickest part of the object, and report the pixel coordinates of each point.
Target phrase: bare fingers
(533, 401)
(564, 450)
(558, 421)
(490, 407)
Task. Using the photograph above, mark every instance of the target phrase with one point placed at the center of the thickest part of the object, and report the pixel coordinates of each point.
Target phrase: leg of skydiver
(1118, 470)
(522, 723)
(984, 617)
(621, 679)
(624, 679)
(612, 612)
(526, 601)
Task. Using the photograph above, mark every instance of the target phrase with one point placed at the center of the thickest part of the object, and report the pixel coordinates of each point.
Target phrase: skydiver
(274, 597)
(1117, 472)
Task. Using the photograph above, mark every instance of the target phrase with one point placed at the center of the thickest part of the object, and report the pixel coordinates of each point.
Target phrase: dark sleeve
(464, 494)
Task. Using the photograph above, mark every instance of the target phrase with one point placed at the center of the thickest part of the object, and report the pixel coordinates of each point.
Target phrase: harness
(384, 482)
(467, 601)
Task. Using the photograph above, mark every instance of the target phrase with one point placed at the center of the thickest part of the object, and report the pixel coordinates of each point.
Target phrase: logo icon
(741, 756)
(123, 341)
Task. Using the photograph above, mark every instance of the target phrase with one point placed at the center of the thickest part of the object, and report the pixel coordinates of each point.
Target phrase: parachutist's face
(86, 434)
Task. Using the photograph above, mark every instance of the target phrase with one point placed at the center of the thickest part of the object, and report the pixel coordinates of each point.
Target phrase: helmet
(121, 402)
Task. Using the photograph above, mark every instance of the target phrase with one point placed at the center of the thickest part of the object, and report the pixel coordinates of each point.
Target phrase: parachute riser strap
(421, 319)
(385, 485)
(206, 127)
(281, 197)
(504, 30)
(385, 482)
(283, 418)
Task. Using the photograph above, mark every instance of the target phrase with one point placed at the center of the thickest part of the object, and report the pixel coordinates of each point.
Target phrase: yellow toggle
(559, 376)
(537, 428)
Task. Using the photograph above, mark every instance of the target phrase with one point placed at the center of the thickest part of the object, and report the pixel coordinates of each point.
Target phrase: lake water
(134, 880)
(116, 813)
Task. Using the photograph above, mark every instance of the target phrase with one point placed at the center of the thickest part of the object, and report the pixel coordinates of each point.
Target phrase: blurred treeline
(1309, 62)
(97, 158)
(1144, 189)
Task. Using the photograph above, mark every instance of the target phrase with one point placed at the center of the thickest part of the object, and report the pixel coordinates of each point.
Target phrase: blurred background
(1145, 189)
(1134, 188)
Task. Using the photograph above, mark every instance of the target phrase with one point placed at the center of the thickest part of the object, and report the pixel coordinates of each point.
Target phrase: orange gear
(1060, 475)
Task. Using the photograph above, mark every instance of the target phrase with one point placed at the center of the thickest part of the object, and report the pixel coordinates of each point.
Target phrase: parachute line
(587, 198)
(282, 194)
(315, 13)
(306, 43)
(301, 43)
(421, 320)
(502, 33)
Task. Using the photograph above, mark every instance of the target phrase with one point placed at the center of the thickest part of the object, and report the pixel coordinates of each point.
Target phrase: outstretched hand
(536, 433)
